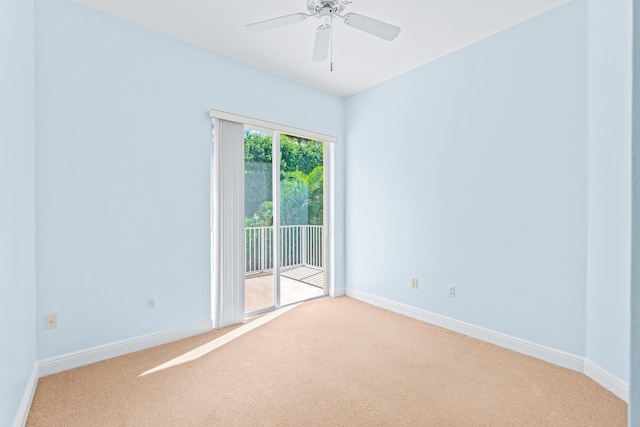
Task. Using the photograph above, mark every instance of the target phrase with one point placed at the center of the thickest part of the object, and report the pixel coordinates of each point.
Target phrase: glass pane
(301, 219)
(258, 221)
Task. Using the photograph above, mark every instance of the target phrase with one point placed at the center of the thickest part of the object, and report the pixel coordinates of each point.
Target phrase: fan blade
(372, 26)
(321, 47)
(270, 24)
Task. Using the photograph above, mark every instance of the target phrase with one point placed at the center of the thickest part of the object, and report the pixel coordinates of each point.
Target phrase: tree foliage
(301, 180)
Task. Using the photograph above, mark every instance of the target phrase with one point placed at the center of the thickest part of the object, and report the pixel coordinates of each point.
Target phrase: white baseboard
(607, 380)
(27, 398)
(96, 354)
(548, 354)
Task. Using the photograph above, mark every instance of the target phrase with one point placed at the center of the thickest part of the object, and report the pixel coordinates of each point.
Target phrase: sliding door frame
(328, 213)
(275, 173)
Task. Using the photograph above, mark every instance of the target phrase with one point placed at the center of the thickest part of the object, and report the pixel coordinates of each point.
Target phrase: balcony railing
(299, 245)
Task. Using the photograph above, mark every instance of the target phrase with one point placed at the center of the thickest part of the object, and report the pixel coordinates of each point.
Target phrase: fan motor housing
(326, 7)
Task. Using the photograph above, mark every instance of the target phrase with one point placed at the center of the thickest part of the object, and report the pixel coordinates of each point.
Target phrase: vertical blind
(228, 223)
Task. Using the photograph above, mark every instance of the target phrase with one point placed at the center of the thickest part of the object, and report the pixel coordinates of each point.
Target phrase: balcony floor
(259, 288)
(310, 275)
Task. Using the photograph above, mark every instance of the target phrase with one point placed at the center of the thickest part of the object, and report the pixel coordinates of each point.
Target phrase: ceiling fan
(325, 10)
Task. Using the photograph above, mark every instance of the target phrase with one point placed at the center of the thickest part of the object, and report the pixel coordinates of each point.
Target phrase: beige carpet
(328, 362)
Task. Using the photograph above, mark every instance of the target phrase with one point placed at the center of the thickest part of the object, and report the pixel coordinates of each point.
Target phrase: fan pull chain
(331, 38)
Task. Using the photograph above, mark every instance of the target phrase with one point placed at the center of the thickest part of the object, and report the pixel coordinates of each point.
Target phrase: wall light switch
(414, 283)
(152, 303)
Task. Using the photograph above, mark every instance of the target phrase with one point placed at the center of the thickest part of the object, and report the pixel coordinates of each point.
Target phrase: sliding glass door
(284, 222)
(258, 221)
(301, 219)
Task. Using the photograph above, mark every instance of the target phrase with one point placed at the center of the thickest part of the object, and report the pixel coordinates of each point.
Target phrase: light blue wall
(122, 170)
(472, 171)
(609, 256)
(634, 392)
(17, 241)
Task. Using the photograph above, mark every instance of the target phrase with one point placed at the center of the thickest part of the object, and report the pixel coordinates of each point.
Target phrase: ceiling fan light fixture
(325, 11)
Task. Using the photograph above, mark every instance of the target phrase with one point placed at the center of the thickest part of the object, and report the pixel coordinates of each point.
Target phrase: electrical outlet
(51, 321)
(452, 291)
(414, 283)
(152, 303)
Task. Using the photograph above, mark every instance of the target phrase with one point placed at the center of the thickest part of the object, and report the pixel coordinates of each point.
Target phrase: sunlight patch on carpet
(197, 353)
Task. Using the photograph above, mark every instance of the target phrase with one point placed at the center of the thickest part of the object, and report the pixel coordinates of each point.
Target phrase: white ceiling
(430, 30)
